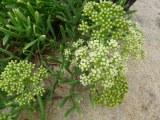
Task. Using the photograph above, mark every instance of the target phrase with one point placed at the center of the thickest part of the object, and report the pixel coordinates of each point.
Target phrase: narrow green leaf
(17, 111)
(20, 15)
(63, 33)
(37, 18)
(9, 32)
(52, 90)
(64, 101)
(34, 29)
(31, 9)
(63, 15)
(74, 82)
(44, 3)
(71, 5)
(91, 100)
(10, 6)
(61, 18)
(8, 104)
(30, 114)
(53, 59)
(28, 45)
(5, 39)
(71, 34)
(69, 111)
(76, 106)
(49, 25)
(28, 21)
(78, 97)
(17, 18)
(121, 2)
(16, 116)
(6, 59)
(62, 52)
(67, 67)
(6, 52)
(9, 53)
(42, 108)
(12, 17)
(55, 2)
(19, 29)
(131, 11)
(19, 22)
(21, 1)
(64, 81)
(2, 20)
(67, 10)
(3, 96)
(28, 33)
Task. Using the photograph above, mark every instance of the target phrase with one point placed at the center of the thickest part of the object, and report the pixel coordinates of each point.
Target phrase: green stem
(94, 26)
(3, 98)
(9, 104)
(30, 115)
(42, 109)
(19, 110)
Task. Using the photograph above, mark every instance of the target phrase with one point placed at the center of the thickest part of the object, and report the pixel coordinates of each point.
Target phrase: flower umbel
(103, 58)
(20, 80)
(103, 71)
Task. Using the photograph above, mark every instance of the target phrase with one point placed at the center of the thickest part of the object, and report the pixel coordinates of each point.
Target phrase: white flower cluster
(78, 43)
(113, 44)
(133, 42)
(102, 60)
(19, 79)
(67, 53)
(99, 67)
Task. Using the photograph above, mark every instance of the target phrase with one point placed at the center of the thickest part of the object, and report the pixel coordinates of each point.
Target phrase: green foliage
(27, 26)
(30, 26)
(38, 30)
(2, 66)
(45, 32)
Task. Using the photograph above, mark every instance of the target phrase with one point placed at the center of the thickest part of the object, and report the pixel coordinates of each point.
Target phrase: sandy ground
(142, 102)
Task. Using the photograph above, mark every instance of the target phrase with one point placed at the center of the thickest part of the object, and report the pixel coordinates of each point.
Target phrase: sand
(142, 102)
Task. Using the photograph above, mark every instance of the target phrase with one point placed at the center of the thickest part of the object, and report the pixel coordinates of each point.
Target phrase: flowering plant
(79, 42)
(102, 59)
(19, 80)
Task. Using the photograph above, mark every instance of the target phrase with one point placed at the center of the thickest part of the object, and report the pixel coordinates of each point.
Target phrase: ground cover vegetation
(90, 42)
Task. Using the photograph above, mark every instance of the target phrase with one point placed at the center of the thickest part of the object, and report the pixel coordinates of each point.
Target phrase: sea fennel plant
(40, 30)
(102, 58)
(20, 80)
(22, 84)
